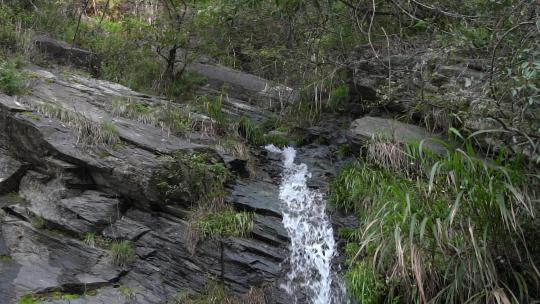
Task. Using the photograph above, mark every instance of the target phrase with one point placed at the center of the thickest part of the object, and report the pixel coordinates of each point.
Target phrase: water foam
(312, 239)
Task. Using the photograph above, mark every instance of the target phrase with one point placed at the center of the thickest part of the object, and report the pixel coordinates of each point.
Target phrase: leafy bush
(12, 81)
(191, 178)
(452, 232)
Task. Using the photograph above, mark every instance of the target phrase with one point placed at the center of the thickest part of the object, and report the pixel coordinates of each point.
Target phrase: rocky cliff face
(72, 165)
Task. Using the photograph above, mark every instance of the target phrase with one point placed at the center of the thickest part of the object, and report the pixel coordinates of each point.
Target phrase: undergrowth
(12, 80)
(447, 230)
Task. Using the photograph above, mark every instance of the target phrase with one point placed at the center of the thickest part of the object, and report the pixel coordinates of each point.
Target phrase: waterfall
(312, 239)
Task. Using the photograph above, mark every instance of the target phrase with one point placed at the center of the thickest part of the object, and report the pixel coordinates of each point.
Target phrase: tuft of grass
(12, 81)
(169, 117)
(5, 258)
(450, 231)
(338, 96)
(88, 131)
(28, 300)
(127, 292)
(363, 284)
(213, 106)
(122, 253)
(251, 131)
(90, 239)
(218, 294)
(124, 107)
(226, 222)
(38, 222)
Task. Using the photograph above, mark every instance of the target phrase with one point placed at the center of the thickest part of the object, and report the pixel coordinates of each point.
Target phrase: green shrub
(8, 36)
(191, 178)
(122, 253)
(12, 81)
(451, 230)
(225, 222)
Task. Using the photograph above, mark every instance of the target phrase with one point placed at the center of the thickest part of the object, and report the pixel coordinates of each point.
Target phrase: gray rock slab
(260, 196)
(364, 129)
(41, 262)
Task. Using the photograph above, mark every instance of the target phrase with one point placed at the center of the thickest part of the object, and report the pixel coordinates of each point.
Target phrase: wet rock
(63, 53)
(257, 195)
(364, 129)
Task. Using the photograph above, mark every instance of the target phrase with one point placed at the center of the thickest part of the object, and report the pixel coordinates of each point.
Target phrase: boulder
(63, 53)
(366, 128)
(256, 90)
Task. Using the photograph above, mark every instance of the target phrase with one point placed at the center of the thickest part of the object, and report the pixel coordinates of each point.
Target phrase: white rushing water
(312, 239)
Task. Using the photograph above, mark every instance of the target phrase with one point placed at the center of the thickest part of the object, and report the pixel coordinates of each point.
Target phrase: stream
(312, 238)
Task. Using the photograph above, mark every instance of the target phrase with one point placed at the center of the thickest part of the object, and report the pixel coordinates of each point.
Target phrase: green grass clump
(29, 300)
(213, 106)
(338, 96)
(219, 294)
(127, 292)
(38, 222)
(226, 222)
(450, 231)
(363, 284)
(64, 296)
(251, 131)
(90, 239)
(122, 253)
(171, 118)
(12, 81)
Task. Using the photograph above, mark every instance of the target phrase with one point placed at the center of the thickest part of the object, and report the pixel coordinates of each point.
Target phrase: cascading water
(312, 239)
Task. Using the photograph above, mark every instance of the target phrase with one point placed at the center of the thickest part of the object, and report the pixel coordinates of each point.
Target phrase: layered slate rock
(366, 128)
(74, 188)
(39, 262)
